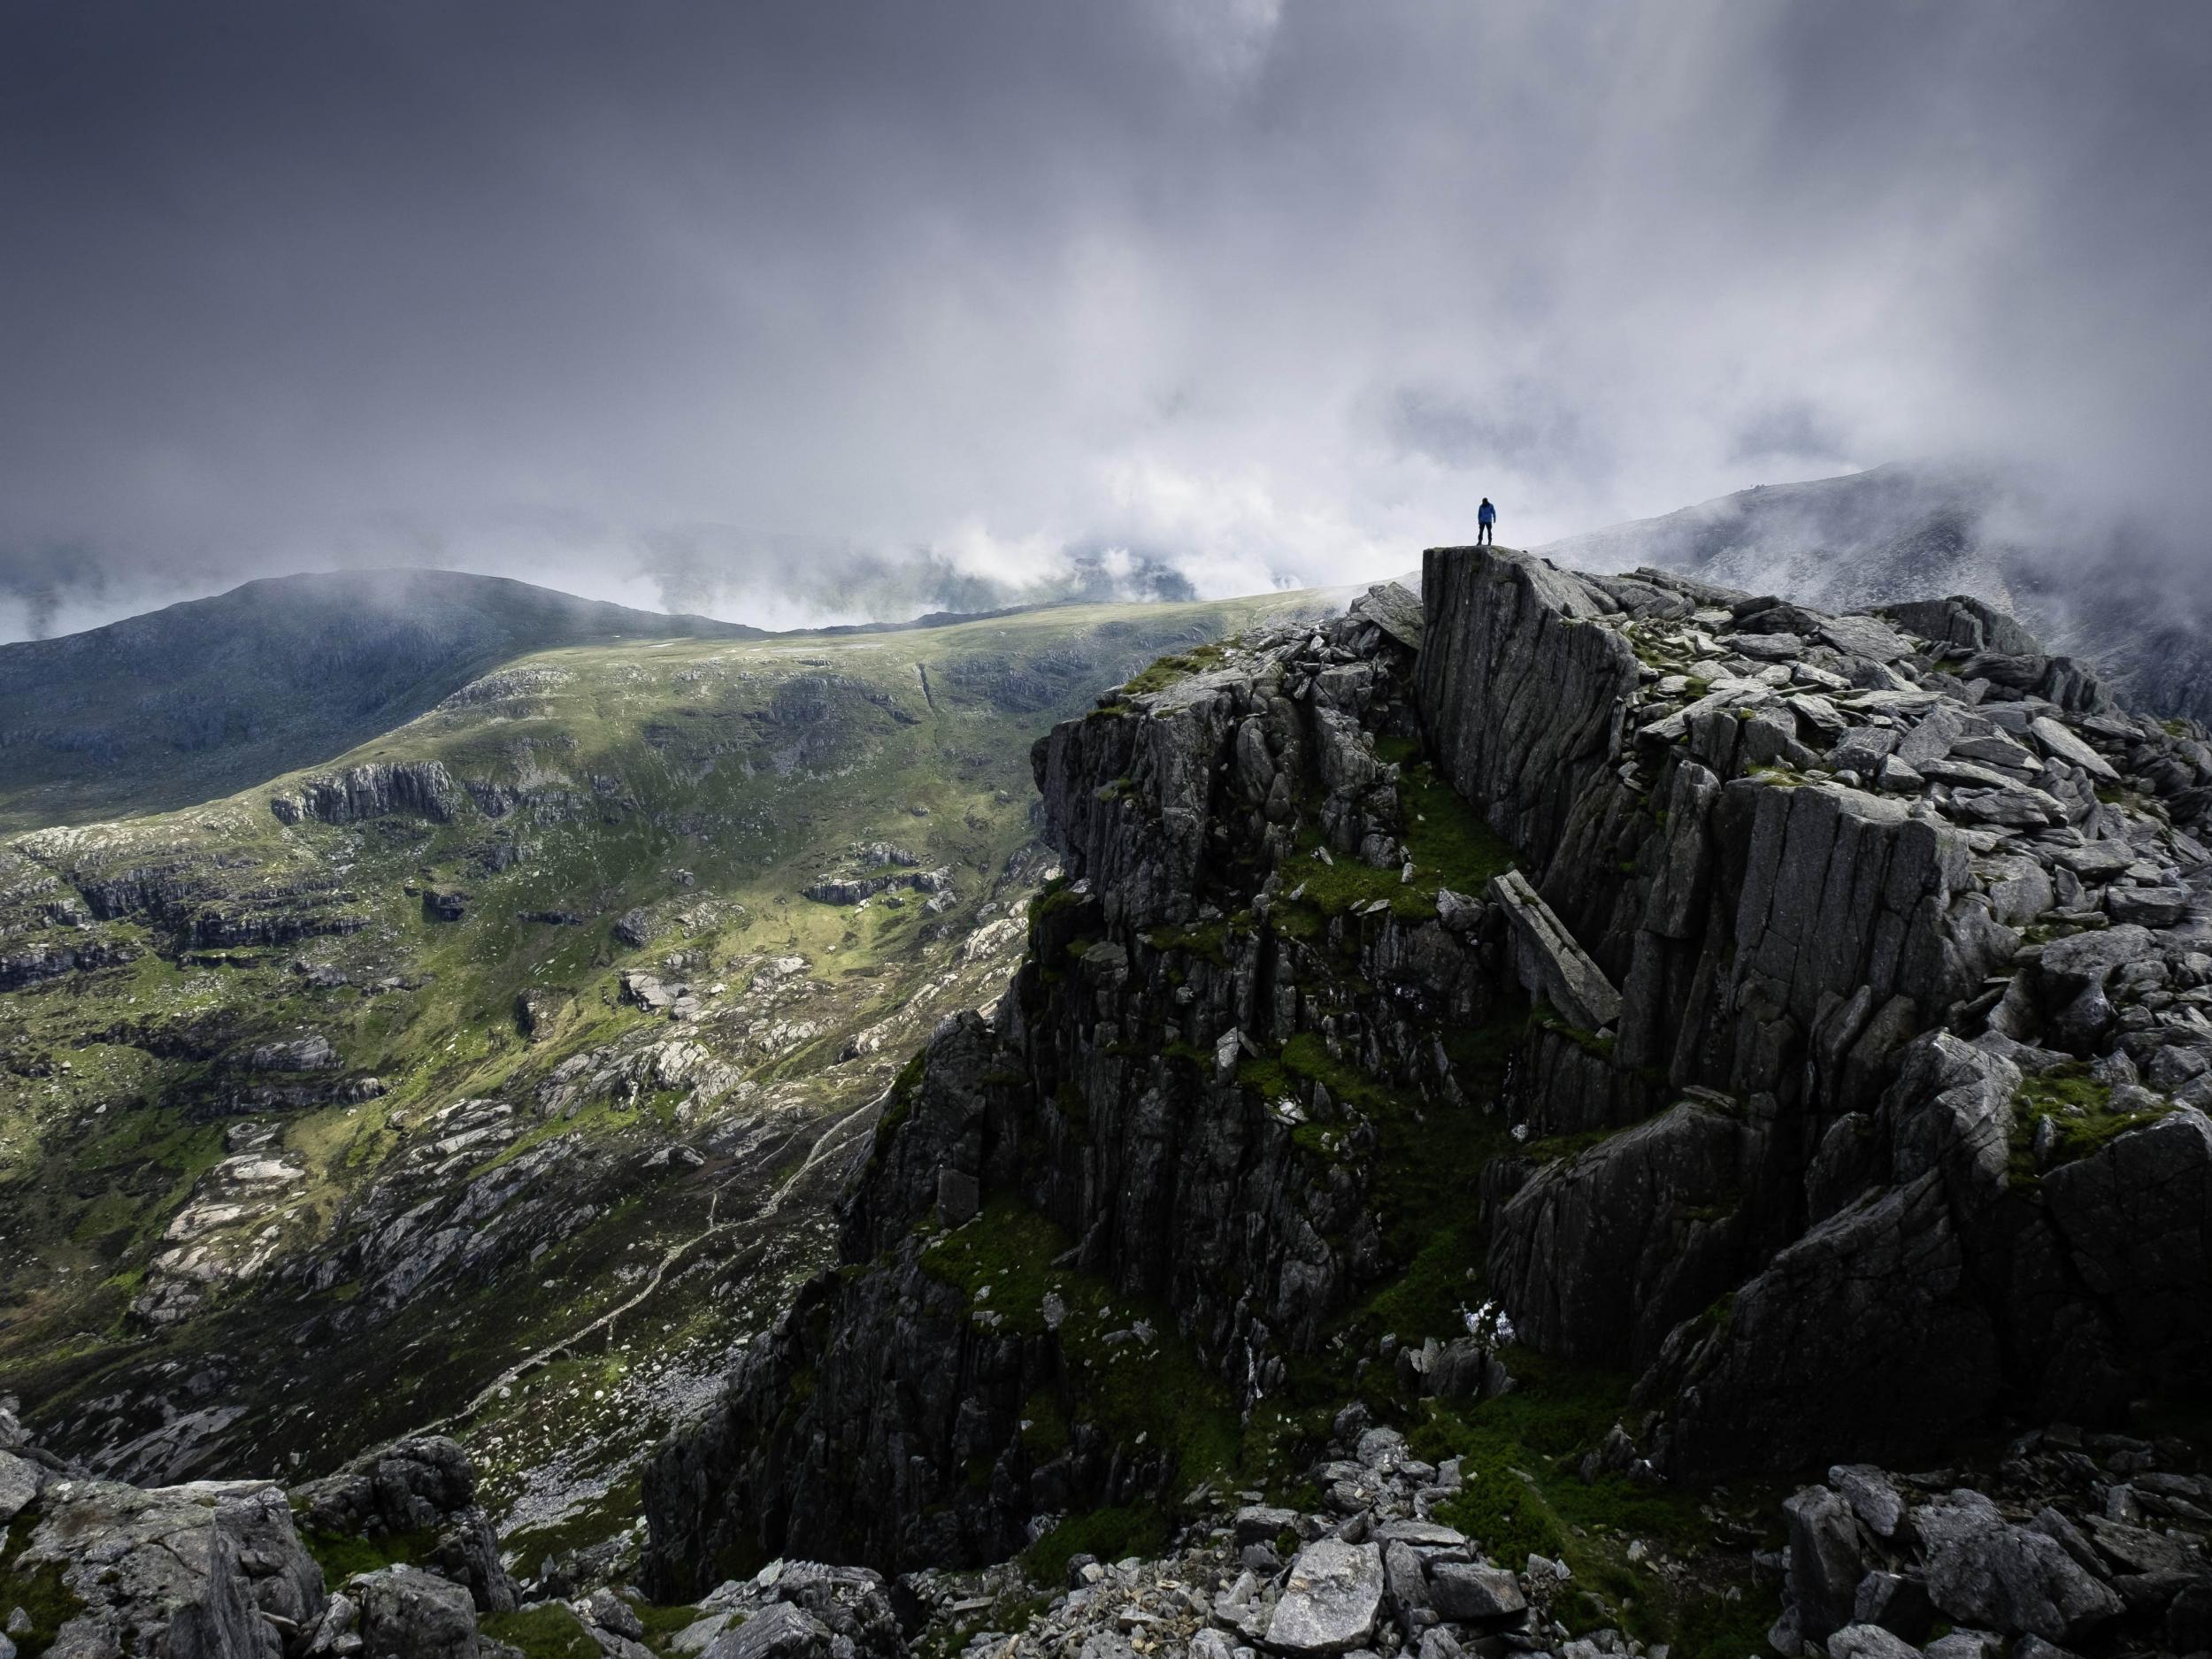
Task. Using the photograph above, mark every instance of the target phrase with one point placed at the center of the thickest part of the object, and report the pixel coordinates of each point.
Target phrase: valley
(506, 1054)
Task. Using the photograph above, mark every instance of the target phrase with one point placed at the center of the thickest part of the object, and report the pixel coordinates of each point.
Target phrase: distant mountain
(1910, 531)
(194, 701)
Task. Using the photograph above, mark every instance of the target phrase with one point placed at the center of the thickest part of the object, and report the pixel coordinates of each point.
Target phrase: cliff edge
(1804, 1015)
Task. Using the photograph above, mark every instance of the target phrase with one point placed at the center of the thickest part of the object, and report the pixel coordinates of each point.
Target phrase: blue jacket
(1488, 515)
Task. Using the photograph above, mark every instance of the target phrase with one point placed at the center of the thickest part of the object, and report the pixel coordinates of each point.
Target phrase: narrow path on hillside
(826, 1145)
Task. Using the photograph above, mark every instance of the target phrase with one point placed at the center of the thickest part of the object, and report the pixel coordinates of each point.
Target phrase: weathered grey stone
(186, 1570)
(1551, 964)
(2061, 744)
(1869, 1641)
(780, 1631)
(2152, 907)
(1898, 1604)
(21, 1482)
(410, 1614)
(1825, 1566)
(1983, 1571)
(1329, 1601)
(1395, 608)
(1477, 1595)
(1872, 1495)
(2136, 1218)
(1600, 1256)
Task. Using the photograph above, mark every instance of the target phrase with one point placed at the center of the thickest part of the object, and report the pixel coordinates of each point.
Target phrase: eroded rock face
(1862, 1093)
(209, 1570)
(425, 1485)
(409, 1614)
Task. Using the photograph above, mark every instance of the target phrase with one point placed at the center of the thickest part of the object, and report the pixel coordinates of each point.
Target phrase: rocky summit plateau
(1571, 1114)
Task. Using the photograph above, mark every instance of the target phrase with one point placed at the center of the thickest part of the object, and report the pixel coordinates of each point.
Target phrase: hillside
(192, 703)
(1569, 1114)
(1506, 1089)
(570, 997)
(1906, 532)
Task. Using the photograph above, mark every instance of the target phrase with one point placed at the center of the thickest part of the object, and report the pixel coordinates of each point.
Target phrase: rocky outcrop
(210, 1571)
(853, 889)
(1127, 1104)
(1835, 1058)
(418, 788)
(2079, 1543)
(422, 1485)
(219, 1570)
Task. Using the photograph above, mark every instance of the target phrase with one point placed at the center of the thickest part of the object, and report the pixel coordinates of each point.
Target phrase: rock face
(217, 1570)
(1878, 1560)
(210, 1571)
(420, 789)
(1850, 1028)
(425, 1484)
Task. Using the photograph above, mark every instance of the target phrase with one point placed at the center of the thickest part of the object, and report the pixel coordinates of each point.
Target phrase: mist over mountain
(781, 954)
(192, 702)
(2124, 595)
(795, 317)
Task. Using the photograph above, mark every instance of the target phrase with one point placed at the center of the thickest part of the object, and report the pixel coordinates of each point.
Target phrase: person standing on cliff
(1486, 518)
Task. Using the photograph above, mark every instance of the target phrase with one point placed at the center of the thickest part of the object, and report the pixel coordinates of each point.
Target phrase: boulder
(410, 1614)
(20, 1482)
(1869, 1641)
(1330, 1602)
(1477, 1595)
(1985, 1571)
(780, 1631)
(423, 1485)
(1825, 1566)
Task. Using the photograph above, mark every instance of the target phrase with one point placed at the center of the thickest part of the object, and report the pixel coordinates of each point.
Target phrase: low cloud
(914, 309)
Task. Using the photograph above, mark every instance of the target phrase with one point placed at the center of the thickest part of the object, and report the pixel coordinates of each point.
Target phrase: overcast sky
(783, 311)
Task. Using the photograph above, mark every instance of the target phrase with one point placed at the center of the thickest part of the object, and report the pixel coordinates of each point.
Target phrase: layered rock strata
(1835, 1058)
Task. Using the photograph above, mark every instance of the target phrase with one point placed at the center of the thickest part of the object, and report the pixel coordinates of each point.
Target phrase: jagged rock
(1985, 1570)
(20, 1482)
(424, 1485)
(1552, 965)
(305, 1054)
(1600, 1256)
(782, 1631)
(1852, 1241)
(830, 889)
(635, 929)
(1395, 609)
(409, 1614)
(187, 1570)
(1873, 1496)
(1826, 1566)
(2151, 906)
(1330, 1603)
(2061, 744)
(379, 789)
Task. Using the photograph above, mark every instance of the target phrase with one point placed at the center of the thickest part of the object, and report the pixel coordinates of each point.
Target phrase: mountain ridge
(1564, 978)
(2115, 593)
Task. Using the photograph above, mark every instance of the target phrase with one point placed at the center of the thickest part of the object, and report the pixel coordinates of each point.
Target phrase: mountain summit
(186, 703)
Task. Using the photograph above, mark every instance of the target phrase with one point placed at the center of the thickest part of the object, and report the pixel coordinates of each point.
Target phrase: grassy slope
(706, 781)
(199, 699)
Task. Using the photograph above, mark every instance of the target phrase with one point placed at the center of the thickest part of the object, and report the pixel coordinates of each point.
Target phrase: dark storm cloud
(790, 311)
